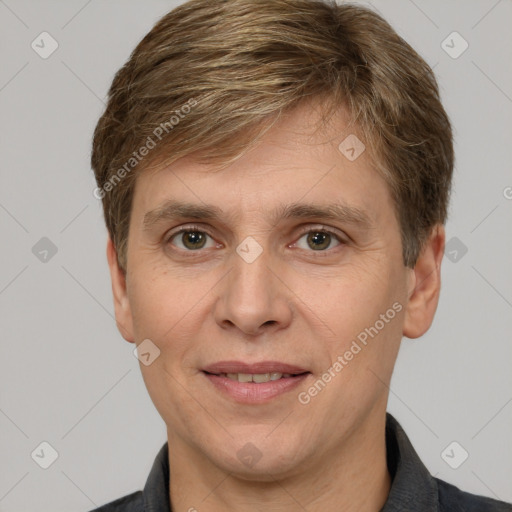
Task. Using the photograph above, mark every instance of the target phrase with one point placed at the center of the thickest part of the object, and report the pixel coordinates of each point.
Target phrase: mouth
(258, 378)
(254, 383)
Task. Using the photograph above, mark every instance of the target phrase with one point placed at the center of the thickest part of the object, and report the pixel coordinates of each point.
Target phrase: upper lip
(253, 368)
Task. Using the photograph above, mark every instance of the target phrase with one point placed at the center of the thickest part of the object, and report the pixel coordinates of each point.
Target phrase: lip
(251, 392)
(260, 367)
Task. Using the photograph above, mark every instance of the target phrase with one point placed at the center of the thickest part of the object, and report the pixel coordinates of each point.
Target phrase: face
(275, 298)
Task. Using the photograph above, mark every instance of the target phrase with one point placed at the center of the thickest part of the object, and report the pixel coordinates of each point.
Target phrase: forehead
(295, 165)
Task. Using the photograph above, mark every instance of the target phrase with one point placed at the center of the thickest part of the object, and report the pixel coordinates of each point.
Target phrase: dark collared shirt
(413, 489)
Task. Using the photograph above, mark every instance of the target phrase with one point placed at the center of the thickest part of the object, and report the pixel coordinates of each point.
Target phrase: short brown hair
(212, 77)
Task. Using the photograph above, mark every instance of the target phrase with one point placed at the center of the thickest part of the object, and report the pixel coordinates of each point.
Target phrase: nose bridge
(252, 296)
(251, 280)
(251, 271)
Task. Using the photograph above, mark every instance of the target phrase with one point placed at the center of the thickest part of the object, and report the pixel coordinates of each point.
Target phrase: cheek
(171, 310)
(361, 307)
(159, 303)
(346, 298)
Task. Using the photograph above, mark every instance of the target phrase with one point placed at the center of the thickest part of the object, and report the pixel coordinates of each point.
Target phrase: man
(275, 178)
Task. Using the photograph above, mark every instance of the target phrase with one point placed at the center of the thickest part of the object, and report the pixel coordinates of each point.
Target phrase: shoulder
(452, 499)
(130, 503)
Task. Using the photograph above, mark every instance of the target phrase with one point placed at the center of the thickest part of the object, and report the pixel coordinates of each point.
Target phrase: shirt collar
(412, 488)
(156, 490)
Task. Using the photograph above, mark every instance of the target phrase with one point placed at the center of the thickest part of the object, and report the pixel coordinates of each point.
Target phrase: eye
(191, 239)
(318, 240)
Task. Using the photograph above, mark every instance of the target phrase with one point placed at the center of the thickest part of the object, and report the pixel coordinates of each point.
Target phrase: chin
(263, 471)
(260, 457)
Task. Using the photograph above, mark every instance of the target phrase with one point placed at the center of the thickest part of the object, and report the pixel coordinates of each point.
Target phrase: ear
(122, 309)
(425, 286)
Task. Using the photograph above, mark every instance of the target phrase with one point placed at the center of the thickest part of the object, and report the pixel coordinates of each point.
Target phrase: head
(316, 131)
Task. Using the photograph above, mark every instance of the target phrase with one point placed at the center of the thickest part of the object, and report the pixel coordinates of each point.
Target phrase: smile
(256, 377)
(254, 383)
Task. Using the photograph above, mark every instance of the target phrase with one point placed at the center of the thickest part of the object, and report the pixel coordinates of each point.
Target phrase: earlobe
(426, 286)
(121, 303)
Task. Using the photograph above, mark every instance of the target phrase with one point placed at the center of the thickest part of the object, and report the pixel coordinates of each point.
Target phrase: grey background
(69, 378)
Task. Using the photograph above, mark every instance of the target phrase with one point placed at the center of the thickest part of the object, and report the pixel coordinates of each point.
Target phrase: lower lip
(252, 392)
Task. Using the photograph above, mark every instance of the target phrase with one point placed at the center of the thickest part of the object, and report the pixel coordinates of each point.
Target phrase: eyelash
(306, 230)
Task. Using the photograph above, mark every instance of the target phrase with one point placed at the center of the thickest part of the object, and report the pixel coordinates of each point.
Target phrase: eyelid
(182, 229)
(342, 237)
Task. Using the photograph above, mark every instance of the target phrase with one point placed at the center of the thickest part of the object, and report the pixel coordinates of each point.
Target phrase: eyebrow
(172, 210)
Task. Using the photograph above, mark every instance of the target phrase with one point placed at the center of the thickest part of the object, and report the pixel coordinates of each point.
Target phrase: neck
(355, 477)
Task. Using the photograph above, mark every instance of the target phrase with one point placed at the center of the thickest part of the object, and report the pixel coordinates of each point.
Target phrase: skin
(294, 304)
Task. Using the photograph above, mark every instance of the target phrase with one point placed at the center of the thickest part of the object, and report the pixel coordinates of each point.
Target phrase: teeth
(258, 377)
(261, 377)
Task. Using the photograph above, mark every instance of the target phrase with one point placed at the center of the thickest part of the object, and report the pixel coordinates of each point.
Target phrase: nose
(254, 298)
